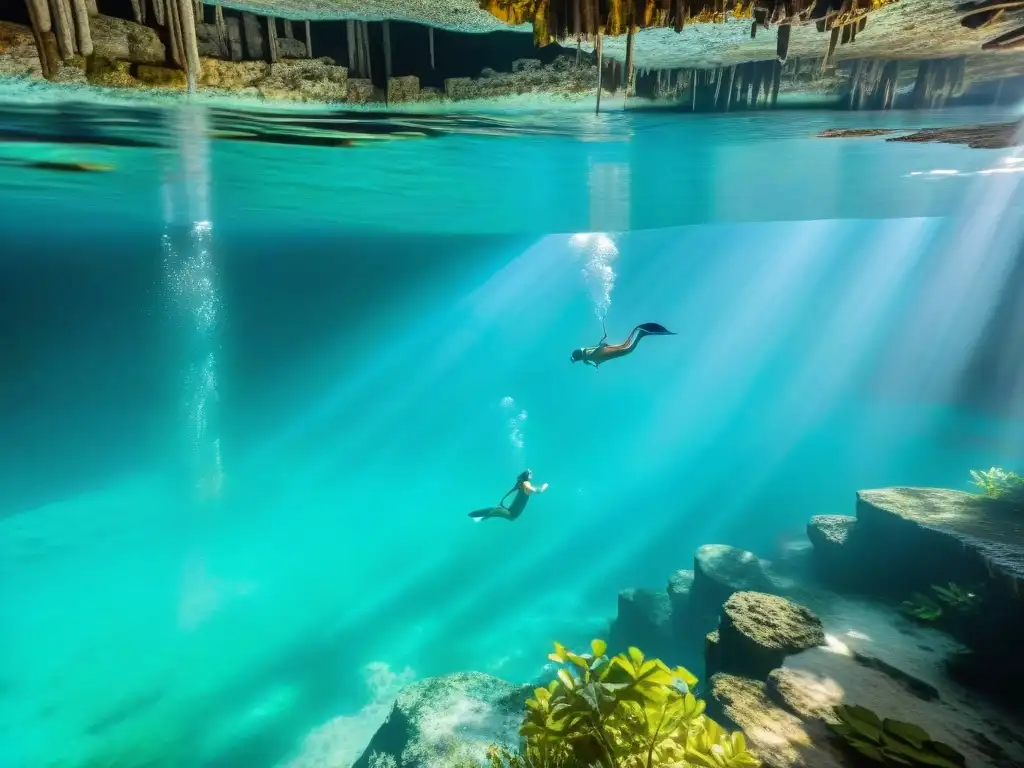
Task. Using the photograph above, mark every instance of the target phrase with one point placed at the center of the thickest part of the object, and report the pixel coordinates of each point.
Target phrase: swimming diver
(523, 490)
(602, 353)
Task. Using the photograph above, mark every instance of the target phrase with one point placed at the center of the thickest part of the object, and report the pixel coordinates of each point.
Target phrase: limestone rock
(290, 48)
(403, 89)
(114, 38)
(449, 720)
(232, 75)
(780, 738)
(210, 42)
(525, 65)
(939, 535)
(838, 559)
(553, 79)
(18, 54)
(644, 620)
(721, 570)
(318, 80)
(993, 136)
(431, 94)
(360, 90)
(758, 631)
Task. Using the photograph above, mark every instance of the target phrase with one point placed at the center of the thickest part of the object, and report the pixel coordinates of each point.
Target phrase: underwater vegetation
(997, 483)
(951, 598)
(620, 712)
(891, 742)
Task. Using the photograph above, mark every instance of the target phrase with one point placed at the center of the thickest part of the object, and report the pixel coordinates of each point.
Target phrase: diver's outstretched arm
(530, 488)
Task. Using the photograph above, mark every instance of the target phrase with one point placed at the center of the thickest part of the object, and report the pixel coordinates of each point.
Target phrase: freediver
(603, 352)
(523, 489)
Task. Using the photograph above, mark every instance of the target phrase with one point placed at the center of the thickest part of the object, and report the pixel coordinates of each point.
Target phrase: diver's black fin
(654, 329)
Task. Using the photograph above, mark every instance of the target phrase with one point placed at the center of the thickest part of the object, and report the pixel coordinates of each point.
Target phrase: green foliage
(997, 483)
(621, 712)
(950, 599)
(892, 742)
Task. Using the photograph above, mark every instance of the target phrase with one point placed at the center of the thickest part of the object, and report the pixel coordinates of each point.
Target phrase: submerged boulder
(757, 632)
(836, 557)
(781, 739)
(680, 585)
(644, 619)
(721, 570)
(449, 720)
(928, 536)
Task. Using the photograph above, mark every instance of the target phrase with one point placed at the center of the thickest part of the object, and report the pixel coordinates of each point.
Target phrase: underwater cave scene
(511, 384)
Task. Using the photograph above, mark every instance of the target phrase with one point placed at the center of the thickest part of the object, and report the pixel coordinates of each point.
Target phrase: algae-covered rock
(403, 89)
(527, 77)
(721, 570)
(232, 75)
(317, 80)
(109, 72)
(450, 720)
(161, 77)
(758, 631)
(18, 54)
(644, 620)
(360, 90)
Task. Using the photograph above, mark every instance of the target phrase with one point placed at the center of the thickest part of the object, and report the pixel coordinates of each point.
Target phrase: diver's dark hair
(524, 475)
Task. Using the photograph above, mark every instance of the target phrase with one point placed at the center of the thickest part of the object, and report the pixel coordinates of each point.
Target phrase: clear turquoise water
(239, 461)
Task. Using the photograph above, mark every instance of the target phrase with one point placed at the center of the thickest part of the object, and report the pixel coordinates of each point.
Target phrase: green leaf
(948, 752)
(590, 695)
(907, 732)
(598, 647)
(567, 679)
(868, 750)
(636, 657)
(862, 720)
(579, 661)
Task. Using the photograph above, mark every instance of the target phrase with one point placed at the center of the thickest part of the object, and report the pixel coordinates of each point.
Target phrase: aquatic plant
(891, 742)
(951, 598)
(620, 712)
(922, 608)
(997, 483)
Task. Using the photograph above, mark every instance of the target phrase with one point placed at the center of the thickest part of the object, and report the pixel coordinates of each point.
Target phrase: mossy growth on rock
(997, 483)
(757, 632)
(625, 711)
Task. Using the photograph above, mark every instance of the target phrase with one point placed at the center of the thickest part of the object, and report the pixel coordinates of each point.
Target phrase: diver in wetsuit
(604, 352)
(523, 489)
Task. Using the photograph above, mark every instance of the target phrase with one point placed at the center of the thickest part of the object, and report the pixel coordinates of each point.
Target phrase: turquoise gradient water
(251, 394)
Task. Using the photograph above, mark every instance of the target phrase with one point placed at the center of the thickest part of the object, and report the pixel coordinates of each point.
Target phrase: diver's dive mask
(577, 355)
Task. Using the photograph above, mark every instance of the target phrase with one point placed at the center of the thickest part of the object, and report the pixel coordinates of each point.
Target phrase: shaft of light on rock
(82, 30)
(309, 41)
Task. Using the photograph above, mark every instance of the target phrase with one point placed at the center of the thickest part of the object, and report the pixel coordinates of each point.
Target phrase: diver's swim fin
(654, 329)
(484, 514)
